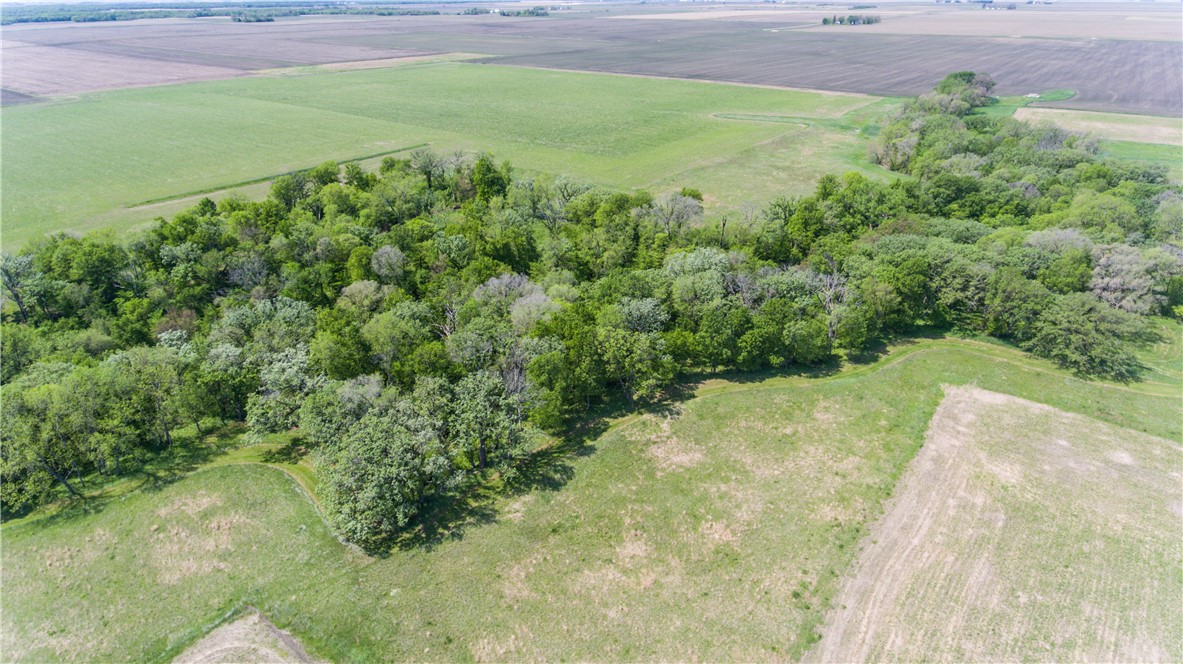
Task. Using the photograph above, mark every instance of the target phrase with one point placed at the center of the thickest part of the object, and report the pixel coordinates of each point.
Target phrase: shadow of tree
(446, 516)
(291, 452)
(187, 453)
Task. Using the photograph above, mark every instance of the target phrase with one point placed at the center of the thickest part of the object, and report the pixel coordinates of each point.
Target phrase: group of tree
(853, 19)
(256, 11)
(422, 325)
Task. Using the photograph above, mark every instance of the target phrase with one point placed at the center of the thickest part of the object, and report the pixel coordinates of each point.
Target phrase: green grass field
(717, 528)
(80, 164)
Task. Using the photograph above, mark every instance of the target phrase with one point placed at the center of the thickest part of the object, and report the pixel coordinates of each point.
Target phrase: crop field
(1110, 21)
(1117, 58)
(1114, 126)
(72, 165)
(1130, 76)
(718, 527)
(1021, 532)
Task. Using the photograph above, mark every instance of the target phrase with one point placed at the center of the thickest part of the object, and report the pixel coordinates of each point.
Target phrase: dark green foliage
(1083, 334)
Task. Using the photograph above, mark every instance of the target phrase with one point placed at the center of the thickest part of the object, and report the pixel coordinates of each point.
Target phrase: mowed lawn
(78, 164)
(718, 528)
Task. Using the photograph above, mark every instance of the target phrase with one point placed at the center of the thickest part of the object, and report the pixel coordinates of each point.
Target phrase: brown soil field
(762, 46)
(1020, 532)
(1114, 126)
(48, 70)
(1128, 76)
(251, 638)
(1141, 21)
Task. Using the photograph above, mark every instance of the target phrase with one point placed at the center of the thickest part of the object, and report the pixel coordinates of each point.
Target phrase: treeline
(422, 325)
(252, 12)
(853, 19)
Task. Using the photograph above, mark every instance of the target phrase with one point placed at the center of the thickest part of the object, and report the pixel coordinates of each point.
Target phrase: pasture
(720, 526)
(1020, 532)
(93, 162)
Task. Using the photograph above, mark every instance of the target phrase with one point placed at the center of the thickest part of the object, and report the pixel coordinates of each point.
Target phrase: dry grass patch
(1114, 126)
(1020, 532)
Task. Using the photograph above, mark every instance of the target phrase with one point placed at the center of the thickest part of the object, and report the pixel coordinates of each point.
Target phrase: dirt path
(251, 638)
(1020, 532)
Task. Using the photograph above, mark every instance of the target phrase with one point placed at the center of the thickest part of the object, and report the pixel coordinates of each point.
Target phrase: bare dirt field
(1142, 21)
(48, 70)
(1114, 126)
(251, 638)
(1020, 532)
(1111, 75)
(1117, 58)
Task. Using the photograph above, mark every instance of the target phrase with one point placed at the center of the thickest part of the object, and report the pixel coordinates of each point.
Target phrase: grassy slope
(76, 164)
(718, 533)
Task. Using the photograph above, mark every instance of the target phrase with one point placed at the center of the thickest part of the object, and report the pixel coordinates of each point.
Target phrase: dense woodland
(428, 325)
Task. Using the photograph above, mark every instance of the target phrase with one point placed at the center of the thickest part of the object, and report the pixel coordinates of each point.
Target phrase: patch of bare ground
(251, 638)
(1020, 532)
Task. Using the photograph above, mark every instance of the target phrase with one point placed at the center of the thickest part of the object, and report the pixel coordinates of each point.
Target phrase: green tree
(374, 484)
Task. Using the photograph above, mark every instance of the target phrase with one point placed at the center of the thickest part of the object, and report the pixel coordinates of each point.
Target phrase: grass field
(1021, 532)
(719, 527)
(80, 164)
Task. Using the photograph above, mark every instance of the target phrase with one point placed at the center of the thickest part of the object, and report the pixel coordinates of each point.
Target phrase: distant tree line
(424, 326)
(853, 19)
(249, 12)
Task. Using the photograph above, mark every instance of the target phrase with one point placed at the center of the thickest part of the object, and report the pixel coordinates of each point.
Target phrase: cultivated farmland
(1125, 76)
(1021, 532)
(718, 528)
(71, 165)
(1117, 58)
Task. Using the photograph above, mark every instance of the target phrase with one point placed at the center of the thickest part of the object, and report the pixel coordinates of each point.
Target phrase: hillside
(738, 510)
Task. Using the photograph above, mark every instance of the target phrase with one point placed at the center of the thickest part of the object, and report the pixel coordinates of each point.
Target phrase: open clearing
(719, 528)
(1021, 532)
(251, 638)
(70, 166)
(1115, 126)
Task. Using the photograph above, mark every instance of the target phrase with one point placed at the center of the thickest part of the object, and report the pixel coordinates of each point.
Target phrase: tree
(15, 274)
(1081, 333)
(484, 432)
(328, 413)
(339, 349)
(285, 380)
(1014, 304)
(375, 483)
(636, 362)
(488, 179)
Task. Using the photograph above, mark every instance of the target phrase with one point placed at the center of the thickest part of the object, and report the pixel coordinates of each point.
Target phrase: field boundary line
(713, 81)
(247, 183)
